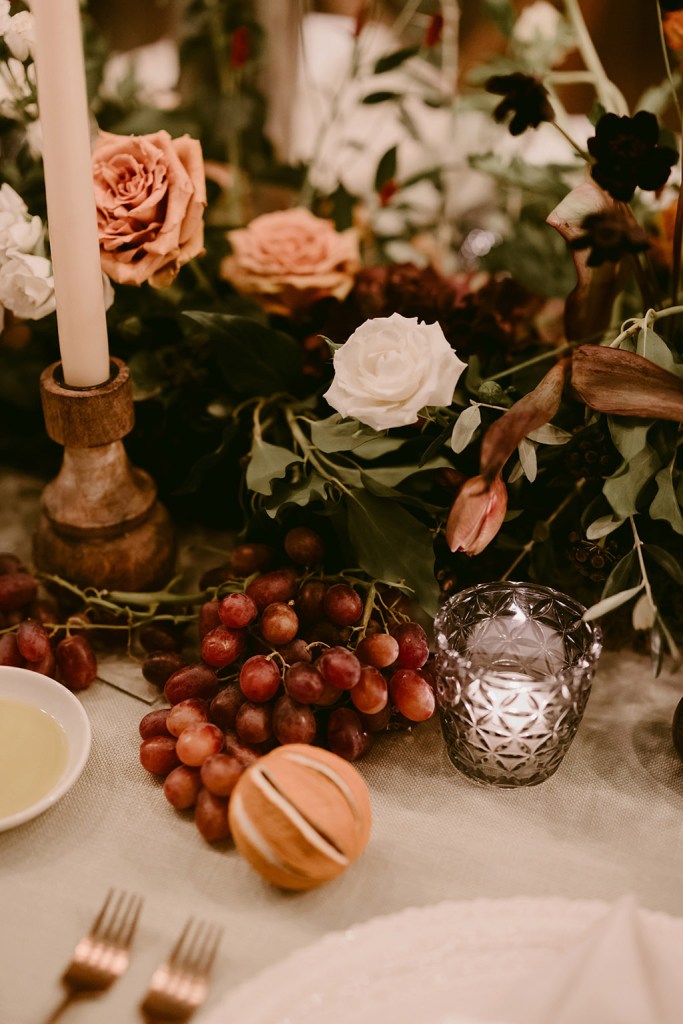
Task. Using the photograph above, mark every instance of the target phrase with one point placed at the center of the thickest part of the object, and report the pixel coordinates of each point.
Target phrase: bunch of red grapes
(61, 652)
(291, 657)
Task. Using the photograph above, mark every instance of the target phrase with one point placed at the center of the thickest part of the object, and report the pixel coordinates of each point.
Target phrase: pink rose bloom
(476, 515)
(290, 259)
(150, 193)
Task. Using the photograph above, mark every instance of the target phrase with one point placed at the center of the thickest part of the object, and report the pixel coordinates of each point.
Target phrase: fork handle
(67, 999)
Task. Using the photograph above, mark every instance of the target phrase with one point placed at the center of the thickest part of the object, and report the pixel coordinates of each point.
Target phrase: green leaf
(603, 526)
(311, 488)
(391, 476)
(665, 505)
(386, 168)
(623, 575)
(650, 346)
(269, 462)
(641, 463)
(392, 544)
(434, 446)
(548, 434)
(380, 97)
(465, 428)
(395, 59)
(254, 359)
(644, 613)
(610, 603)
(527, 458)
(337, 434)
(666, 560)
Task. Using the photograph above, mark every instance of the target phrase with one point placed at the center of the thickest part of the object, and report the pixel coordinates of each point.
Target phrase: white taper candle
(72, 216)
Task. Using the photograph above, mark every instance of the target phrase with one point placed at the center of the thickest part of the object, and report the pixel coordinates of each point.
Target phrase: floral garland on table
(403, 393)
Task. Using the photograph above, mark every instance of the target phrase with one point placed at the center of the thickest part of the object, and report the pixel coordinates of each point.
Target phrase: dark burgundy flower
(627, 155)
(609, 236)
(524, 97)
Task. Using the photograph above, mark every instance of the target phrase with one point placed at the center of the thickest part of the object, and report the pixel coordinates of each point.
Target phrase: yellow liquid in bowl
(33, 755)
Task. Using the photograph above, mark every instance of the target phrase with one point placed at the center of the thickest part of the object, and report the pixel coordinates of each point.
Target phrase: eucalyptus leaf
(268, 463)
(667, 561)
(391, 544)
(650, 346)
(644, 613)
(527, 459)
(608, 604)
(549, 434)
(603, 526)
(465, 428)
(623, 575)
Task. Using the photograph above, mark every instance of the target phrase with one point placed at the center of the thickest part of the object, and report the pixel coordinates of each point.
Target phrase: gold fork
(102, 954)
(179, 985)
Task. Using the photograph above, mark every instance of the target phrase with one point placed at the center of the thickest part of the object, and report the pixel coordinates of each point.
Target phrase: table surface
(609, 822)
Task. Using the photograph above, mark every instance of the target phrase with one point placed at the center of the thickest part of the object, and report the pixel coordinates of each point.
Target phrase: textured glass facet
(515, 663)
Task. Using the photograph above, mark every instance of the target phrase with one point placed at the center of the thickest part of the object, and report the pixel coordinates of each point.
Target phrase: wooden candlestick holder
(101, 523)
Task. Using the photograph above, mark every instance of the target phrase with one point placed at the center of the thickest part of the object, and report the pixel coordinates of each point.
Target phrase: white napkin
(622, 971)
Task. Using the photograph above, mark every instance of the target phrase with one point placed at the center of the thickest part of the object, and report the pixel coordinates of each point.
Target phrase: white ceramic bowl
(19, 684)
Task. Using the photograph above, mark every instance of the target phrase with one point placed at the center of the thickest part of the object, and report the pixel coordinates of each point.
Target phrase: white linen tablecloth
(610, 822)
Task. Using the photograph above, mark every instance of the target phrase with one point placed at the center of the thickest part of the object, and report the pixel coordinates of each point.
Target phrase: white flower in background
(17, 87)
(542, 34)
(27, 287)
(19, 35)
(390, 369)
(19, 231)
(152, 72)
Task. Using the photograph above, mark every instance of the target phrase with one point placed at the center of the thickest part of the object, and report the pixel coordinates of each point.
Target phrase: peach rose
(150, 193)
(289, 259)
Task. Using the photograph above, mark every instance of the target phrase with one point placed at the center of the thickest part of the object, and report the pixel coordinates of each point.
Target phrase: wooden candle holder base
(101, 523)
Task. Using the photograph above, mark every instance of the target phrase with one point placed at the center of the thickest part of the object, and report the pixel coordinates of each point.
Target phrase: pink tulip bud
(476, 515)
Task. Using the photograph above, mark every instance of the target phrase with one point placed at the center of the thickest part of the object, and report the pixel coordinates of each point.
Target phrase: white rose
(27, 286)
(390, 369)
(19, 231)
(19, 35)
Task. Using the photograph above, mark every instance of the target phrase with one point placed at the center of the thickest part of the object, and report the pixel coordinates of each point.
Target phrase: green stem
(308, 449)
(637, 325)
(550, 354)
(643, 571)
(606, 91)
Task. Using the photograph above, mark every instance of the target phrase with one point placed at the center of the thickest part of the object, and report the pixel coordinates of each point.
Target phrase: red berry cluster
(291, 657)
(24, 640)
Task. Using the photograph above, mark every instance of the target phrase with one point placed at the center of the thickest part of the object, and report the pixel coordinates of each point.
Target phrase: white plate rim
(79, 736)
(297, 963)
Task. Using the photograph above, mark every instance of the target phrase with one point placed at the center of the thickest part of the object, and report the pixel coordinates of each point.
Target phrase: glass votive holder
(514, 668)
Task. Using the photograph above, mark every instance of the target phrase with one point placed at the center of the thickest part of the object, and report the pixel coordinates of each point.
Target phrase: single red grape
(211, 817)
(225, 705)
(304, 683)
(253, 723)
(154, 724)
(260, 678)
(343, 606)
(76, 662)
(304, 546)
(371, 694)
(237, 611)
(293, 722)
(223, 646)
(346, 736)
(197, 742)
(339, 667)
(412, 695)
(220, 773)
(279, 624)
(188, 712)
(196, 680)
(181, 787)
(379, 650)
(413, 646)
(158, 755)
